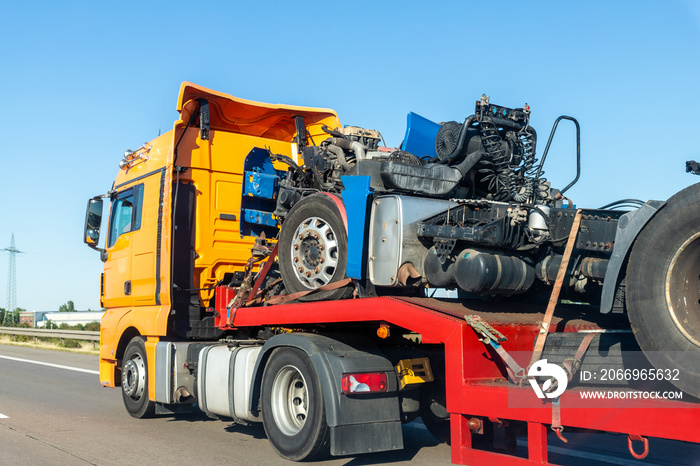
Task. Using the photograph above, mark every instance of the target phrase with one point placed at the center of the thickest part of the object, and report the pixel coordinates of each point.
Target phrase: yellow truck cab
(158, 279)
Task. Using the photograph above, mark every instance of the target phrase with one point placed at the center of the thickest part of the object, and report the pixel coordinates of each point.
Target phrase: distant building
(70, 318)
(31, 318)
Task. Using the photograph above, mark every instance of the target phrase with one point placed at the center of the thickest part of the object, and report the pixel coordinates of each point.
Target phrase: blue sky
(83, 81)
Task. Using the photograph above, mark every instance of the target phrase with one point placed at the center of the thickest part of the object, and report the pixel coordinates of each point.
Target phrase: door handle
(127, 287)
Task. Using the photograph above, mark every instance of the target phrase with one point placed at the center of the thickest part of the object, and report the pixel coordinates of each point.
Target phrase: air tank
(483, 272)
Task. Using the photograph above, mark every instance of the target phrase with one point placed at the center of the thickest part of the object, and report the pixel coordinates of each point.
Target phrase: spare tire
(663, 290)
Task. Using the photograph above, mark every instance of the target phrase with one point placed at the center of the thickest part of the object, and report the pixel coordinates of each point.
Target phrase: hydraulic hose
(333, 132)
(469, 162)
(354, 146)
(338, 152)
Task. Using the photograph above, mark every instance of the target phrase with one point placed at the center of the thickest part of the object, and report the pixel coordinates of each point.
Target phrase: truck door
(124, 223)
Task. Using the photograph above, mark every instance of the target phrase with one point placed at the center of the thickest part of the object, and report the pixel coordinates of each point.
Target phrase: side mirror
(93, 221)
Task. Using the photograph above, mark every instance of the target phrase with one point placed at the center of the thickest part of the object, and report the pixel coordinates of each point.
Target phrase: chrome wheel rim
(289, 400)
(683, 289)
(134, 377)
(314, 253)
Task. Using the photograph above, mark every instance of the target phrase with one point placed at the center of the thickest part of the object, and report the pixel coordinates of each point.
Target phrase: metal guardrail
(49, 333)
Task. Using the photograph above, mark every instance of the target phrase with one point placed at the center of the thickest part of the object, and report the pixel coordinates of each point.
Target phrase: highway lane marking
(2, 416)
(57, 366)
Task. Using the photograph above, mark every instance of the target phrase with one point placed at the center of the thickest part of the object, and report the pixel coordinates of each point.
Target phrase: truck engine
(483, 217)
(491, 155)
(474, 214)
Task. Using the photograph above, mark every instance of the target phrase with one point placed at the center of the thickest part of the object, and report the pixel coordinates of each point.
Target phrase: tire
(135, 380)
(293, 410)
(313, 248)
(663, 289)
(434, 415)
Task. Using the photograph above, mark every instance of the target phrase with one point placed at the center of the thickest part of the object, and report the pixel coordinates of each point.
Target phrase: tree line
(11, 319)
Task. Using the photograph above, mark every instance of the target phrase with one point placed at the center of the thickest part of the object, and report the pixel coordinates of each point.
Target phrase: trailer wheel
(314, 248)
(293, 409)
(663, 296)
(135, 380)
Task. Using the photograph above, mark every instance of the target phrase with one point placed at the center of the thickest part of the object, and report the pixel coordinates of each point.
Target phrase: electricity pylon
(11, 282)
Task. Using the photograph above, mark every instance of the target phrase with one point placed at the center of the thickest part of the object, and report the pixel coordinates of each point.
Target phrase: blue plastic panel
(259, 184)
(259, 218)
(356, 198)
(420, 136)
(259, 194)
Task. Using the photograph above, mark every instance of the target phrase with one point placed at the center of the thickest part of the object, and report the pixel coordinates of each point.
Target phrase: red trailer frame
(475, 374)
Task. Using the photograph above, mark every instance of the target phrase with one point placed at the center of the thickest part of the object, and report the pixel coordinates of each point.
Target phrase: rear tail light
(373, 382)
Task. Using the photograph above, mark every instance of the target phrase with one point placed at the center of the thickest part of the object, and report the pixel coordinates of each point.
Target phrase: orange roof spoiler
(274, 121)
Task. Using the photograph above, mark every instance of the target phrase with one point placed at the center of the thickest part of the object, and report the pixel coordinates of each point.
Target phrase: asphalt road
(59, 414)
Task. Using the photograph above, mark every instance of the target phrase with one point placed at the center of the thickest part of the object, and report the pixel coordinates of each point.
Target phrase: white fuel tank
(224, 376)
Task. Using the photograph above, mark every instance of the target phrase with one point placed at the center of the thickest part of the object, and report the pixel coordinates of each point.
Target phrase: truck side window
(126, 213)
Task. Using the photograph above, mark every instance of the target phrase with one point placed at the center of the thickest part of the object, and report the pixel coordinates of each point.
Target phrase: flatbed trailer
(476, 381)
(346, 217)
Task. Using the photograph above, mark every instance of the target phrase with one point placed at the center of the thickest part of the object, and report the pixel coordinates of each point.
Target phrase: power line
(11, 282)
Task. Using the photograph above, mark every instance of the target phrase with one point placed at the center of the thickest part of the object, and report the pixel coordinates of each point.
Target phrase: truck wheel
(663, 296)
(293, 409)
(135, 380)
(313, 248)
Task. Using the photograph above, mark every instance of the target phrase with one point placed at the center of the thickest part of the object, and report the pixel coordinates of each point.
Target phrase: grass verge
(57, 344)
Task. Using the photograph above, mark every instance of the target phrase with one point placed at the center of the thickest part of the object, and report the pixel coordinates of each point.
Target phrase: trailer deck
(476, 378)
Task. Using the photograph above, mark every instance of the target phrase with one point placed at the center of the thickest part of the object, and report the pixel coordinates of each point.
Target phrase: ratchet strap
(572, 365)
(281, 299)
(491, 336)
(554, 298)
(263, 273)
(556, 420)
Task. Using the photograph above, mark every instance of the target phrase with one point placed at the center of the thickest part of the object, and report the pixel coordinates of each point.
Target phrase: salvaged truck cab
(185, 211)
(177, 227)
(244, 206)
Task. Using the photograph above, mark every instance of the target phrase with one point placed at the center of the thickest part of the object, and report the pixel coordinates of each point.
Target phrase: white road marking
(58, 366)
(2, 416)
